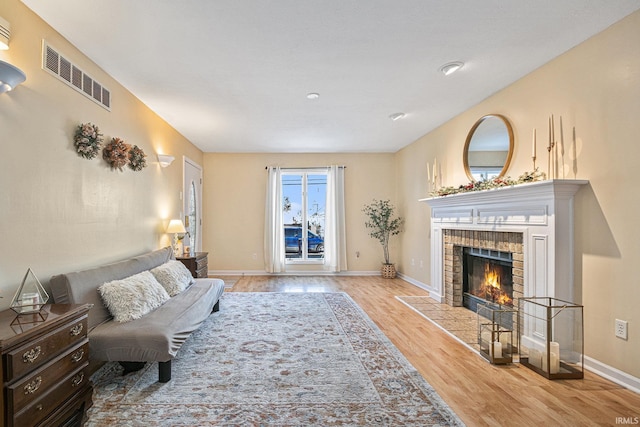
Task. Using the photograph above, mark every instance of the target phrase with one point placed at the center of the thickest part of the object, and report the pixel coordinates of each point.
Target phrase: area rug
(276, 359)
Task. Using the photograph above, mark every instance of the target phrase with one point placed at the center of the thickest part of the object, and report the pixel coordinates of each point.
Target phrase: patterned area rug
(276, 359)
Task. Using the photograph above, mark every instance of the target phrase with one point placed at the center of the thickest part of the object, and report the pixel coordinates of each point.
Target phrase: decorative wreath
(88, 140)
(137, 160)
(116, 153)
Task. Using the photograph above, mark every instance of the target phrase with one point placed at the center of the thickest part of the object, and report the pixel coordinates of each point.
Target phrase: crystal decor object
(31, 296)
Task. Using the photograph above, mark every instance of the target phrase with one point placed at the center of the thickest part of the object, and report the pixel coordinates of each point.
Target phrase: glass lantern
(495, 333)
(551, 337)
(30, 297)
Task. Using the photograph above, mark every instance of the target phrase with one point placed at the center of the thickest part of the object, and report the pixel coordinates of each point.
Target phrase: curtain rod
(309, 167)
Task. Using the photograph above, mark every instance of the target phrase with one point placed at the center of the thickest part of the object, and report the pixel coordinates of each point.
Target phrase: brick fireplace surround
(454, 243)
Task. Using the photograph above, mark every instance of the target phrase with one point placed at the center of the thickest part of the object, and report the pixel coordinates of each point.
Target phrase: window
(304, 198)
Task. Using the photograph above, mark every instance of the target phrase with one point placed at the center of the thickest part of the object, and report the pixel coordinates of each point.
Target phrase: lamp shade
(10, 77)
(176, 226)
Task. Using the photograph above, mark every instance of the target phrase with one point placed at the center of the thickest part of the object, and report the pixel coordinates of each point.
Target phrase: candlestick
(435, 172)
(533, 149)
(562, 146)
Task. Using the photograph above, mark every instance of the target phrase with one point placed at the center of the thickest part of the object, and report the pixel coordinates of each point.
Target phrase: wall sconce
(165, 160)
(10, 77)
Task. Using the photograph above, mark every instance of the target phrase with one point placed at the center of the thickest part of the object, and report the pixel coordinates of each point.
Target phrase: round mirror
(488, 149)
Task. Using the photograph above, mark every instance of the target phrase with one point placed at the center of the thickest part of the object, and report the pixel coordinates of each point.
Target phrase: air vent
(67, 72)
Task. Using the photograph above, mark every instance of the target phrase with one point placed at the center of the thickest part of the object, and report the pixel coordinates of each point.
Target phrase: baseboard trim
(612, 374)
(432, 292)
(213, 273)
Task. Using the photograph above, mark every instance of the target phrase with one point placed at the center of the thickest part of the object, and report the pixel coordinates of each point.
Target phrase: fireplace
(533, 222)
(487, 278)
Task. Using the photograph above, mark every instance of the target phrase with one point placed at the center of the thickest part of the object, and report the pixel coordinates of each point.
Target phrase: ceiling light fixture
(313, 95)
(451, 67)
(396, 116)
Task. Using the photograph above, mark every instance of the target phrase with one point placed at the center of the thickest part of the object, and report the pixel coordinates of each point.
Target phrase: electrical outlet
(413, 261)
(621, 329)
(421, 264)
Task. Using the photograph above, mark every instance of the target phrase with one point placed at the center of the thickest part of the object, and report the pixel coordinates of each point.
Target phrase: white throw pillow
(133, 297)
(173, 276)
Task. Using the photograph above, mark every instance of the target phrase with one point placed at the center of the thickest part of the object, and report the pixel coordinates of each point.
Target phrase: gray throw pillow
(133, 297)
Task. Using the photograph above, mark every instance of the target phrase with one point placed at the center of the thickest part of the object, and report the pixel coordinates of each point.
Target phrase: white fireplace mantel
(542, 211)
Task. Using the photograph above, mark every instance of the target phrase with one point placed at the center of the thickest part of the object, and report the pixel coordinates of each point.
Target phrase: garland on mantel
(489, 184)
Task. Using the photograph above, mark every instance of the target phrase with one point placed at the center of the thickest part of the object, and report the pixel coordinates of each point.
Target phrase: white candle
(533, 150)
(554, 349)
(553, 130)
(497, 350)
(535, 358)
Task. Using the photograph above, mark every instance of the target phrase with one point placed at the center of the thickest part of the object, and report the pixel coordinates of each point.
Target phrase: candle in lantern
(554, 362)
(535, 358)
(496, 350)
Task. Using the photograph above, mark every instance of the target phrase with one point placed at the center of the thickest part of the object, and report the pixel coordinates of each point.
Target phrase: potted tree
(382, 226)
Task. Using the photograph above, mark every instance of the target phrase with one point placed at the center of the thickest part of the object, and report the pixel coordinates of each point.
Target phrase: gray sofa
(155, 337)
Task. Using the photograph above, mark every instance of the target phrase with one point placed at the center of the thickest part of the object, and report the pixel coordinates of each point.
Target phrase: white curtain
(273, 223)
(335, 241)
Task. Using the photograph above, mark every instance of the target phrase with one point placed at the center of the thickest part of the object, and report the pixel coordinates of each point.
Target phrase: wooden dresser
(198, 263)
(45, 356)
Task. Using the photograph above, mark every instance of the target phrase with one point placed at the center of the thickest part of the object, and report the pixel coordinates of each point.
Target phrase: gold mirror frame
(465, 155)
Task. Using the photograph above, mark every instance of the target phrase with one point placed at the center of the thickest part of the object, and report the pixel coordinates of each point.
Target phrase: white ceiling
(233, 75)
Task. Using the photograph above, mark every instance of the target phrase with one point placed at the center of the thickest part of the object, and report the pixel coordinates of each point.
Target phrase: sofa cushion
(132, 297)
(82, 286)
(173, 276)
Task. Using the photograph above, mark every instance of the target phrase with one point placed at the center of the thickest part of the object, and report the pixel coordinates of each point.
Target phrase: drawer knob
(31, 355)
(33, 386)
(76, 330)
(77, 380)
(77, 356)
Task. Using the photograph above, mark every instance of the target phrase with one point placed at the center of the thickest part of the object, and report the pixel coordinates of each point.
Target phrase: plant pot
(388, 271)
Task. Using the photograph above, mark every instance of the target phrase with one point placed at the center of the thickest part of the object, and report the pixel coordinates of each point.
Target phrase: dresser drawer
(39, 351)
(38, 383)
(201, 263)
(40, 408)
(202, 273)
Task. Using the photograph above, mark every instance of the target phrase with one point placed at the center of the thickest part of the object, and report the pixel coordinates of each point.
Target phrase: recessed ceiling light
(396, 116)
(313, 95)
(451, 67)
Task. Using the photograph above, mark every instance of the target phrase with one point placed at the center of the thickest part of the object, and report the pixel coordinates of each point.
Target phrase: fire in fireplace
(487, 278)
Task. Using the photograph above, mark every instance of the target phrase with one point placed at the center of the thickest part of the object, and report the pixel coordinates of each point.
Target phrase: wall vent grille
(67, 72)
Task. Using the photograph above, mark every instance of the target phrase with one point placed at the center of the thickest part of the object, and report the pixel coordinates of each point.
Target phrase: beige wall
(61, 212)
(595, 88)
(234, 204)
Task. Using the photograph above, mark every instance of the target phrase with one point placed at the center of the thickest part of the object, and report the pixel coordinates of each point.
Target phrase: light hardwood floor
(480, 393)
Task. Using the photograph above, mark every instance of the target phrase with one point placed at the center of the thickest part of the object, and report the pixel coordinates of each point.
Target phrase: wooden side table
(198, 263)
(45, 358)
